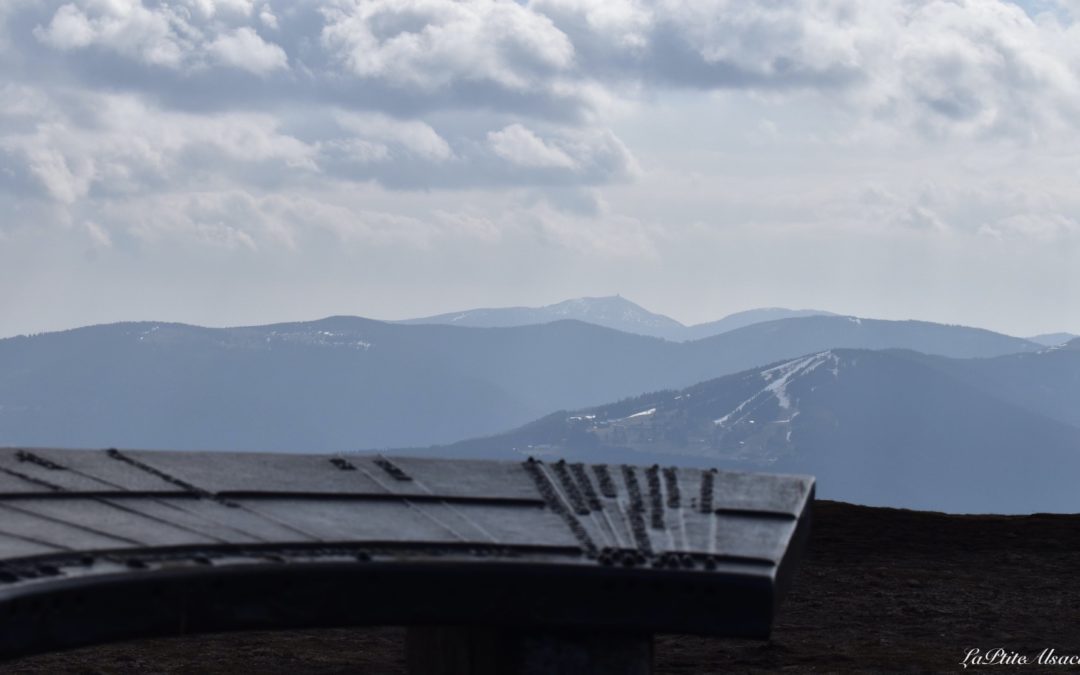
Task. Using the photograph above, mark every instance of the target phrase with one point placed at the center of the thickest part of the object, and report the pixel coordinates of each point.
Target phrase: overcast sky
(228, 162)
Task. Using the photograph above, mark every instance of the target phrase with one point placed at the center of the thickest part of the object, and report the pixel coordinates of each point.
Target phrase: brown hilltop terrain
(881, 589)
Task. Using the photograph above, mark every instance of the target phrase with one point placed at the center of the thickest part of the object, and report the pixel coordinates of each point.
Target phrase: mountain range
(614, 312)
(888, 427)
(345, 383)
(899, 413)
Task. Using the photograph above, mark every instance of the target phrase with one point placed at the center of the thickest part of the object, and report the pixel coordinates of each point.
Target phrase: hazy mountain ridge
(748, 318)
(765, 342)
(344, 383)
(612, 312)
(1045, 382)
(884, 427)
(1053, 339)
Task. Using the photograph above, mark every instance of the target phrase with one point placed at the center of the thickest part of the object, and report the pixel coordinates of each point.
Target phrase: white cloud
(415, 136)
(957, 67)
(166, 35)
(438, 43)
(624, 24)
(128, 146)
(244, 49)
(124, 26)
(268, 18)
(65, 180)
(522, 147)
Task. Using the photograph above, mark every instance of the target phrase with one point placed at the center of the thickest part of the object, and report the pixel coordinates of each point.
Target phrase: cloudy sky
(239, 161)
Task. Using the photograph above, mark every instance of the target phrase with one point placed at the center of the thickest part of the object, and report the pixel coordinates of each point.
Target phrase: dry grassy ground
(882, 589)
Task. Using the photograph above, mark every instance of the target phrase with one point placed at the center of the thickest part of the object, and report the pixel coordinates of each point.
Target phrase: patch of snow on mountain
(778, 378)
(579, 418)
(787, 436)
(787, 372)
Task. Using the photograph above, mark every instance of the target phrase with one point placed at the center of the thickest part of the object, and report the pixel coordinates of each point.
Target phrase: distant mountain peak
(612, 307)
(613, 311)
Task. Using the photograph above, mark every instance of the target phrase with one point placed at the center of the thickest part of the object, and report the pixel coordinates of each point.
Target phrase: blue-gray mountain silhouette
(612, 312)
(891, 427)
(345, 383)
(748, 318)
